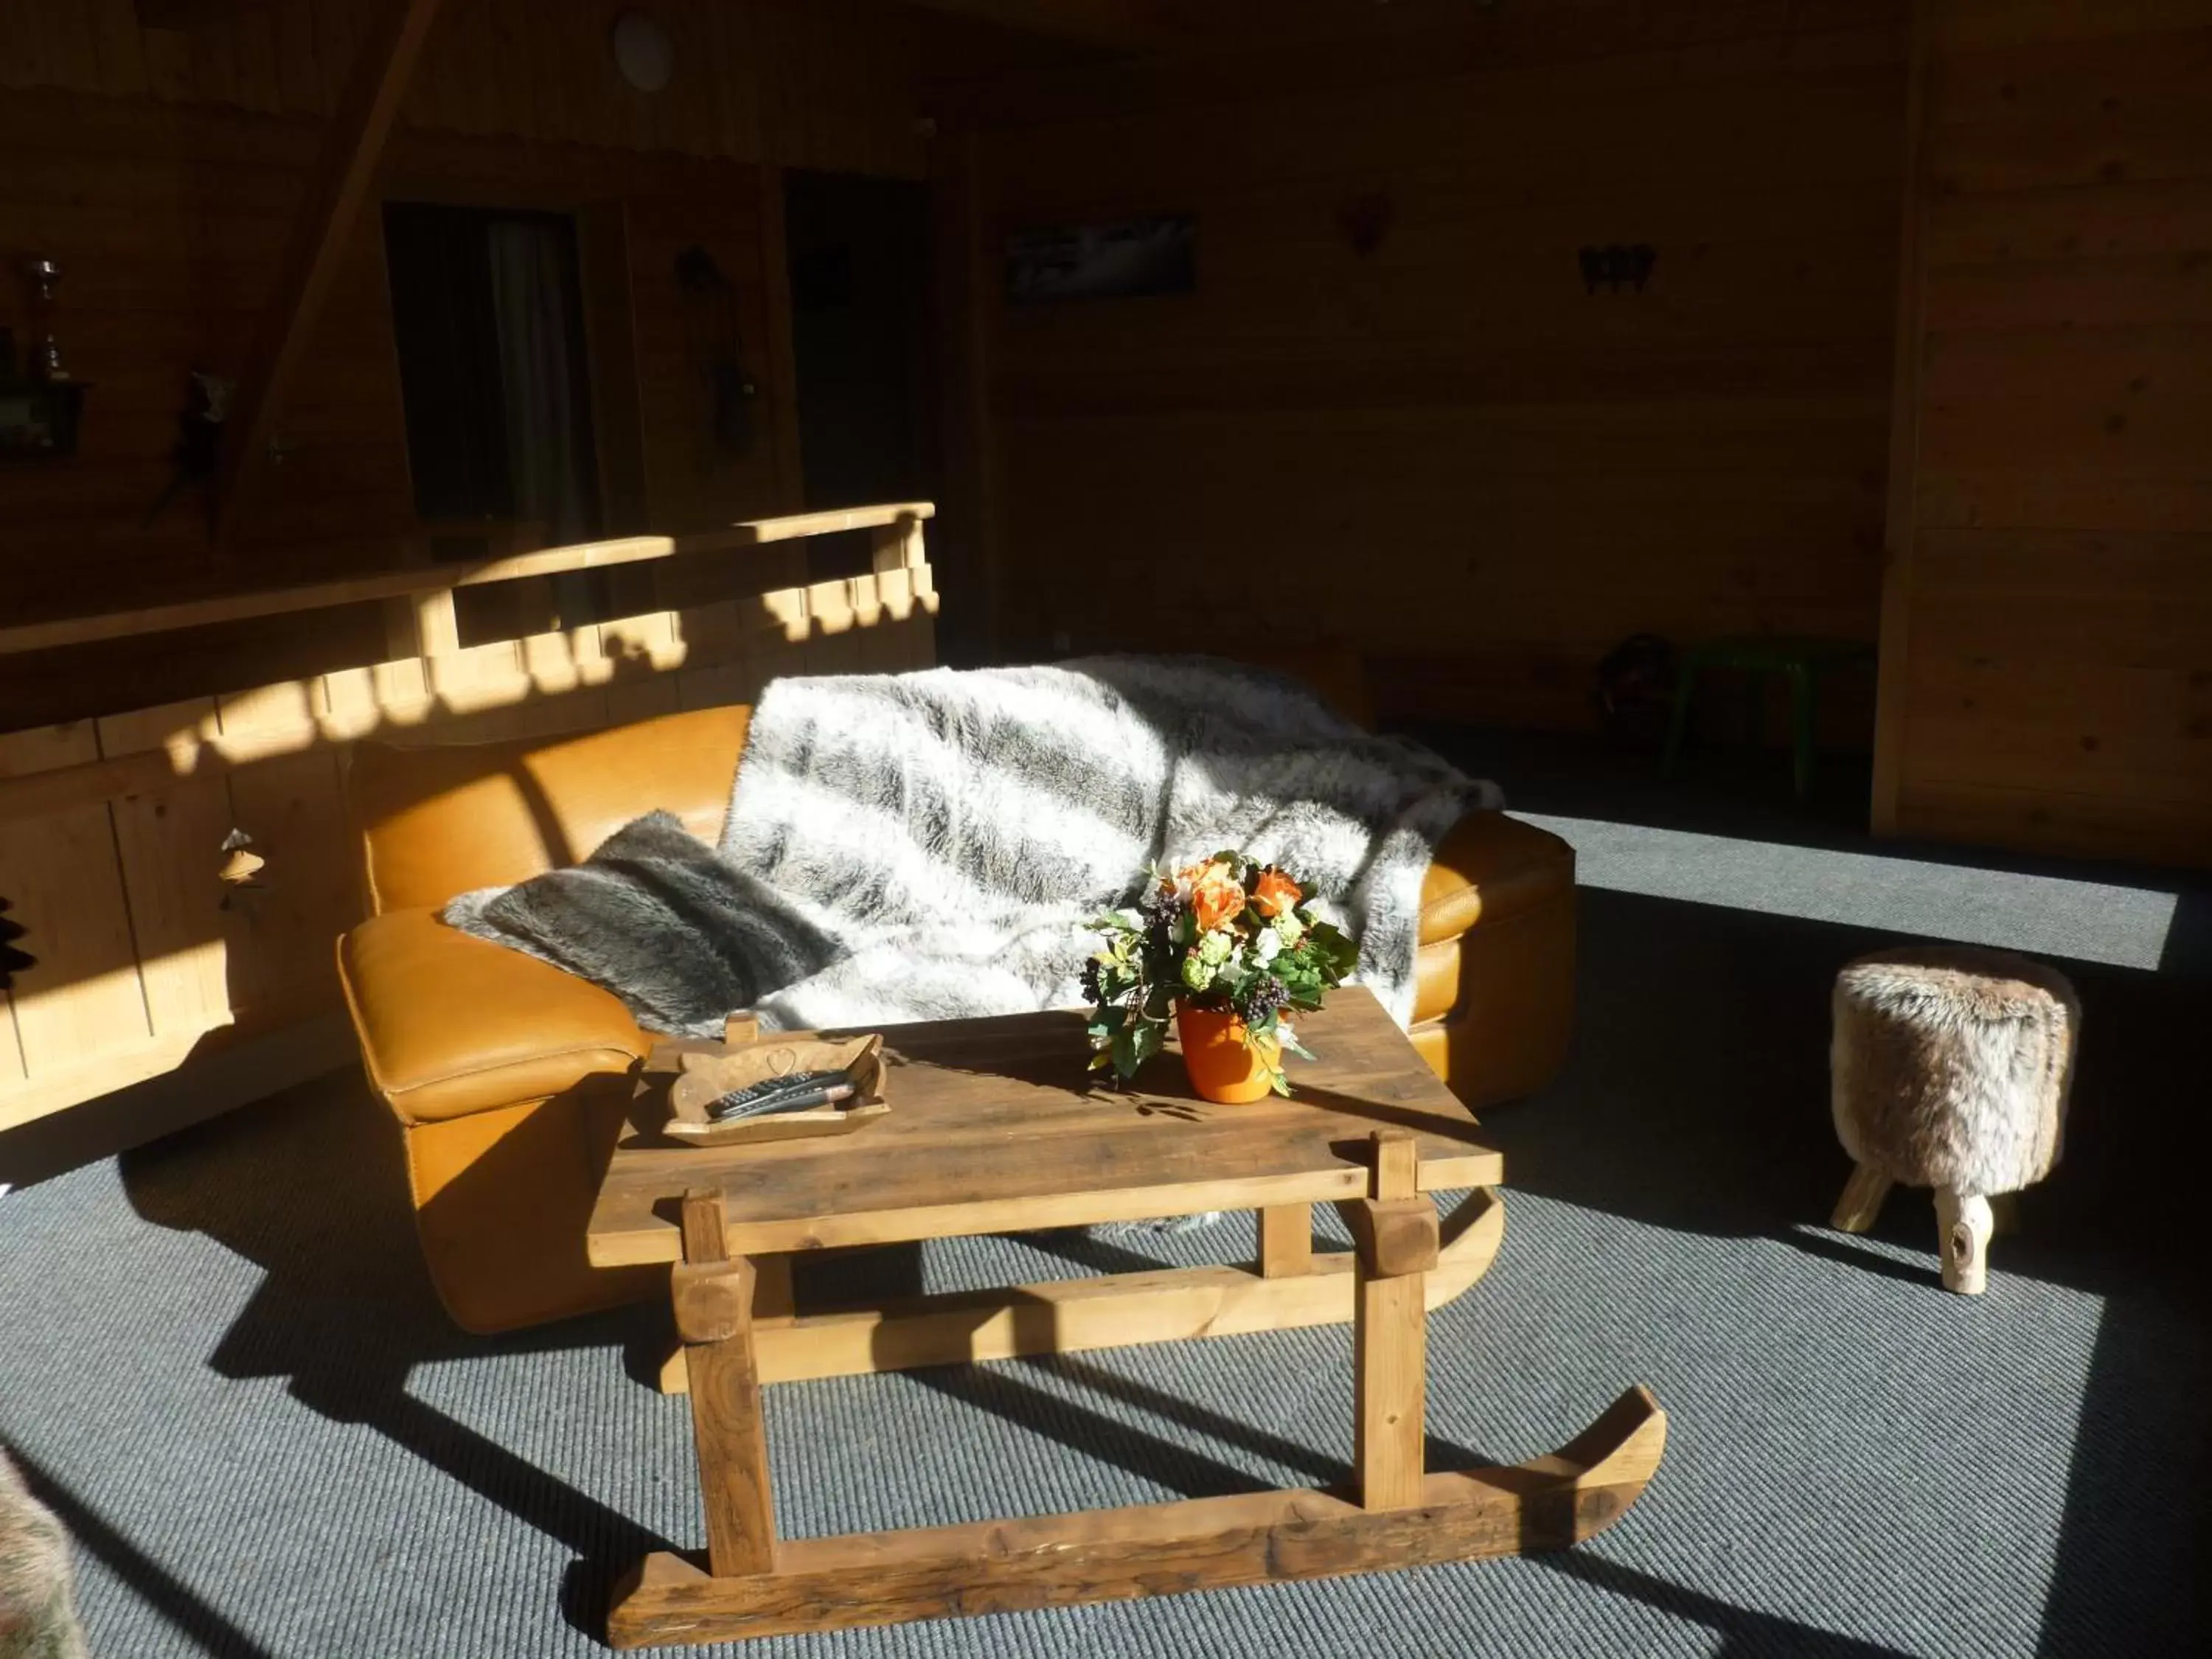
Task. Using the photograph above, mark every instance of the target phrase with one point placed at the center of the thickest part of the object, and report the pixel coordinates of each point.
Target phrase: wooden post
(1395, 1239)
(713, 1298)
(772, 1297)
(1286, 1240)
(897, 545)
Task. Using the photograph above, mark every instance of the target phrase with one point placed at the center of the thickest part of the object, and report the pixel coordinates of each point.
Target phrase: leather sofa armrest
(451, 1025)
(1491, 866)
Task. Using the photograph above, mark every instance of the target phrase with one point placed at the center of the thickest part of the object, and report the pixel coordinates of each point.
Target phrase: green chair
(1800, 659)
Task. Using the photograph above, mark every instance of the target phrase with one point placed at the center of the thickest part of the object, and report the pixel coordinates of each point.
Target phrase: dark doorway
(486, 308)
(860, 265)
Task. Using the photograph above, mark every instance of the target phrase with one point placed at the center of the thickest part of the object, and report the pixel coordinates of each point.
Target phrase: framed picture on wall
(1118, 259)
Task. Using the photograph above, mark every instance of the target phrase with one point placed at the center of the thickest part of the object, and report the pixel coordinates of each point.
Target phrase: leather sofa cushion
(1490, 867)
(444, 819)
(451, 1026)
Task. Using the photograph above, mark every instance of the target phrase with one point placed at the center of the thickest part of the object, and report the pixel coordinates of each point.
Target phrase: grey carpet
(221, 1363)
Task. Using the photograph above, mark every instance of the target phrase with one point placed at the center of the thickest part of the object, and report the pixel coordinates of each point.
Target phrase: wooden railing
(117, 831)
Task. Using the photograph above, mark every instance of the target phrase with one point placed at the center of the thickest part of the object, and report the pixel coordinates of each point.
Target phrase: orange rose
(1216, 896)
(1275, 893)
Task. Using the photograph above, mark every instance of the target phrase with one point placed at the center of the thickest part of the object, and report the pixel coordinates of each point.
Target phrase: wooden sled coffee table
(993, 1128)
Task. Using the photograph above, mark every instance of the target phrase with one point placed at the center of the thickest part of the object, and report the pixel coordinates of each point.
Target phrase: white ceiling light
(643, 51)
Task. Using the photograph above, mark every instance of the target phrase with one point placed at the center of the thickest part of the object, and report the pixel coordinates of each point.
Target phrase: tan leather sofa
(509, 1077)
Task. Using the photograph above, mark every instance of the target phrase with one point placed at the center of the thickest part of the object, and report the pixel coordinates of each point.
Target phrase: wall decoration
(40, 403)
(1616, 263)
(643, 51)
(1120, 258)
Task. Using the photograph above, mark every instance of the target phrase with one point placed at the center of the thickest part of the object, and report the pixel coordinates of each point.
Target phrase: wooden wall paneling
(508, 41)
(782, 354)
(169, 843)
(2061, 612)
(1893, 693)
(1456, 417)
(351, 149)
(337, 30)
(640, 657)
(119, 44)
(169, 205)
(11, 1051)
(610, 340)
(1965, 25)
(290, 800)
(66, 34)
(733, 62)
(299, 72)
(834, 642)
(259, 86)
(83, 995)
(722, 651)
(967, 267)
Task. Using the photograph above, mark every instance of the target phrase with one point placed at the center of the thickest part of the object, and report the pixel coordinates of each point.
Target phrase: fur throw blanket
(37, 1620)
(929, 846)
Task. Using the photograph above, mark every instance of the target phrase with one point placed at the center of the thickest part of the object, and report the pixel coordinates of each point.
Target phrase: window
(488, 309)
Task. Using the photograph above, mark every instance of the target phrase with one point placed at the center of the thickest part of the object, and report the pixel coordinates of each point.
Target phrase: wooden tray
(705, 1079)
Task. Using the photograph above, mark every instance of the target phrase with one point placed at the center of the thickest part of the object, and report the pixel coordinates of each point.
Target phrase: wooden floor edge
(1072, 1316)
(843, 1582)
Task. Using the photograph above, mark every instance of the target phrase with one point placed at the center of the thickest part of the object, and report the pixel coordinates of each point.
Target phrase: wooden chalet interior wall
(1443, 447)
(2047, 645)
(161, 169)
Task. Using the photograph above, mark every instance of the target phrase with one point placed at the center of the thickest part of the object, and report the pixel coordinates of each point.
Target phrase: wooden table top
(995, 1127)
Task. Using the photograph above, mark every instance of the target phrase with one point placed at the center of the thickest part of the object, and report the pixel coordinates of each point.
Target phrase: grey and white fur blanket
(929, 846)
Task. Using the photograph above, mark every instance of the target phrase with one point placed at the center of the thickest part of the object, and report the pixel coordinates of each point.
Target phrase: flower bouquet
(1227, 947)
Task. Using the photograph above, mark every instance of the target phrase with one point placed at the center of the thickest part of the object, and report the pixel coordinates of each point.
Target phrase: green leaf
(1126, 1057)
(1148, 1038)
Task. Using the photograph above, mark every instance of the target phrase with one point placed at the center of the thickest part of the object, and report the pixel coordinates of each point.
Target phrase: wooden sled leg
(1107, 1555)
(713, 1298)
(1395, 1515)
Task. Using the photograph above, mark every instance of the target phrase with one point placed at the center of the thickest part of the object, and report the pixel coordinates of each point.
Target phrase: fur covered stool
(1952, 1065)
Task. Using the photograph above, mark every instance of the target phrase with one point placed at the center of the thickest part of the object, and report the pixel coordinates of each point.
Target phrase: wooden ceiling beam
(384, 61)
(1105, 23)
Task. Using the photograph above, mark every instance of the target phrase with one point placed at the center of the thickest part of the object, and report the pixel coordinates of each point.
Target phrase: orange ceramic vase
(1223, 1066)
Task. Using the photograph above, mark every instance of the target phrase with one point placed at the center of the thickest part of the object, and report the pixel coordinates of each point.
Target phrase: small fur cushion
(1952, 1065)
(658, 918)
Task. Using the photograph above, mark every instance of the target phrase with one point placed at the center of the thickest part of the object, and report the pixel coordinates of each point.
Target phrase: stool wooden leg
(1965, 1219)
(1861, 1200)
